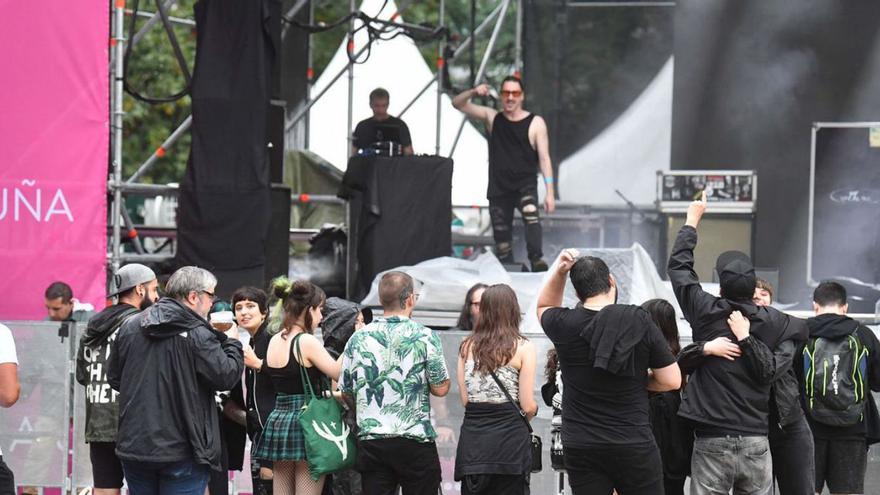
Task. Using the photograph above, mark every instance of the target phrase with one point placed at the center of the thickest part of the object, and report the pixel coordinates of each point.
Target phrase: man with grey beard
(166, 363)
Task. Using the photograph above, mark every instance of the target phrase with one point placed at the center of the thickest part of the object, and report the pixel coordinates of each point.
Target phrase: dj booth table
(400, 212)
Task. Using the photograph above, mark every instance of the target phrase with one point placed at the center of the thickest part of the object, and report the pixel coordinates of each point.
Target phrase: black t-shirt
(371, 131)
(600, 408)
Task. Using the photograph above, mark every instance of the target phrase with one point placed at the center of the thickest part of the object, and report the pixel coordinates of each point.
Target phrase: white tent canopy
(627, 154)
(398, 66)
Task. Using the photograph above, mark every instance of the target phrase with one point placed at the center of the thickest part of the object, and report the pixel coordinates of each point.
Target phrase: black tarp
(224, 208)
(400, 211)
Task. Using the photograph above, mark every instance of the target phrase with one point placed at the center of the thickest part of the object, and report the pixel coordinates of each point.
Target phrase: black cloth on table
(401, 211)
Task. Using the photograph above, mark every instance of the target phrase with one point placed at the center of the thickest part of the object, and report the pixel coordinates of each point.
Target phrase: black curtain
(224, 209)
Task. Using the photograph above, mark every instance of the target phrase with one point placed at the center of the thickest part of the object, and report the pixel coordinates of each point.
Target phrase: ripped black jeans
(501, 213)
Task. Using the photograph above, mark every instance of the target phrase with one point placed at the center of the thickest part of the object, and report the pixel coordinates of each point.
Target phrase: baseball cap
(130, 276)
(736, 275)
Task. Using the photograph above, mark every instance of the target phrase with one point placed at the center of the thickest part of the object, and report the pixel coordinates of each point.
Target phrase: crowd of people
(175, 383)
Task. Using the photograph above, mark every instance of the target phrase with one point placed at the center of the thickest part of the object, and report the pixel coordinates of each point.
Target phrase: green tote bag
(330, 446)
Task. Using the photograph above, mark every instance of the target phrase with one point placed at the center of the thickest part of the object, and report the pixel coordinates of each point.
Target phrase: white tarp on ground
(627, 154)
(398, 66)
(446, 281)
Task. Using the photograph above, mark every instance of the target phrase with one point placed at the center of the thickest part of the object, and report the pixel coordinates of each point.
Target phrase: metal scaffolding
(119, 186)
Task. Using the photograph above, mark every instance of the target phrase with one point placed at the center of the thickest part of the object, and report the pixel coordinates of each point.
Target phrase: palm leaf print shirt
(388, 366)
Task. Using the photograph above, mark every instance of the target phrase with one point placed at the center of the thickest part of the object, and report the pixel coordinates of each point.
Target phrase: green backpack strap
(303, 374)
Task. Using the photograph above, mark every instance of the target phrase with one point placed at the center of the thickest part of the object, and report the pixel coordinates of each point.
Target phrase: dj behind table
(381, 134)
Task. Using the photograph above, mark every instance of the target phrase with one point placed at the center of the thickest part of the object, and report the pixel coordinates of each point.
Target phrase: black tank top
(513, 163)
(287, 380)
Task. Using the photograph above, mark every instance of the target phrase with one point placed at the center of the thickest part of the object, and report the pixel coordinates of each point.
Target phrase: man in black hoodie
(728, 399)
(136, 287)
(166, 363)
(842, 413)
(609, 355)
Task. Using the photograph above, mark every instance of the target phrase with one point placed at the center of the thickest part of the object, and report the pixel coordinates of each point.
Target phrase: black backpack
(835, 371)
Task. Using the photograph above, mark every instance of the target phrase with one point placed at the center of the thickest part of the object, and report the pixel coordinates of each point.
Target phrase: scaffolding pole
(518, 63)
(117, 119)
(160, 151)
(441, 63)
(310, 79)
(483, 64)
(350, 50)
(349, 233)
(154, 18)
(468, 42)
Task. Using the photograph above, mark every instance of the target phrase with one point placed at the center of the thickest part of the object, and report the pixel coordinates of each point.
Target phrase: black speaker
(278, 240)
(275, 140)
(718, 233)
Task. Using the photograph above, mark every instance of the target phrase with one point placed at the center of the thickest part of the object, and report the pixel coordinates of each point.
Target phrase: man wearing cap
(728, 396)
(136, 288)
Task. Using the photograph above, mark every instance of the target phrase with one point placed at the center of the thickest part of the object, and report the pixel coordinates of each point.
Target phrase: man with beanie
(840, 407)
(726, 398)
(791, 441)
(136, 288)
(166, 363)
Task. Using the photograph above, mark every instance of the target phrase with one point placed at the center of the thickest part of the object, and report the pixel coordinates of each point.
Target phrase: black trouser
(391, 462)
(630, 469)
(501, 213)
(674, 486)
(793, 459)
(495, 484)
(7, 481)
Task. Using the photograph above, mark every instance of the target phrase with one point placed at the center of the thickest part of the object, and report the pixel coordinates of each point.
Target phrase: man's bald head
(394, 290)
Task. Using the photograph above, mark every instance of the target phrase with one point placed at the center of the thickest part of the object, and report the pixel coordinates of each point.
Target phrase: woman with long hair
(496, 378)
(674, 438)
(282, 441)
(471, 309)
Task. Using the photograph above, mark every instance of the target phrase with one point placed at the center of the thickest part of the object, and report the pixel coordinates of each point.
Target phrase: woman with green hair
(294, 345)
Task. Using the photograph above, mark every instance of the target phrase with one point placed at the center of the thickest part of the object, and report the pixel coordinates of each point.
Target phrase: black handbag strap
(519, 410)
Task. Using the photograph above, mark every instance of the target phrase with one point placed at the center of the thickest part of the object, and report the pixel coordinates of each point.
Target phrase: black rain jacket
(166, 363)
(721, 394)
(92, 357)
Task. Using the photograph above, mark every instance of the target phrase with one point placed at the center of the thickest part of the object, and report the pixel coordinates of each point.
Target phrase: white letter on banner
(5, 203)
(59, 197)
(19, 198)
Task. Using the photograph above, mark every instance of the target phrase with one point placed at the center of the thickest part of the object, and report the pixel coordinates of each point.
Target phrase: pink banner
(54, 144)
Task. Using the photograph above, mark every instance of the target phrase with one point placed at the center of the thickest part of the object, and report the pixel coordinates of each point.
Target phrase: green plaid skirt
(282, 438)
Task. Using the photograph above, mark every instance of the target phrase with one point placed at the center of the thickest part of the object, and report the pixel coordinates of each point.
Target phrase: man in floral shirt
(390, 367)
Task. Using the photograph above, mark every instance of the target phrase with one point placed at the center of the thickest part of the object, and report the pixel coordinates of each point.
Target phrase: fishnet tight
(292, 478)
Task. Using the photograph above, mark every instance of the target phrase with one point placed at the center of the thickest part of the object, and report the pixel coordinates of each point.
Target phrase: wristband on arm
(548, 180)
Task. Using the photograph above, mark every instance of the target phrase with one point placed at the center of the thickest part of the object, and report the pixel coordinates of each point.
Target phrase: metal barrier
(34, 433)
(38, 433)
